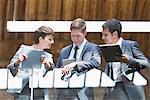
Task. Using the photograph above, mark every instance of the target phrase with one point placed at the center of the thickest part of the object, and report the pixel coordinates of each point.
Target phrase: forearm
(89, 62)
(143, 63)
(138, 57)
(84, 65)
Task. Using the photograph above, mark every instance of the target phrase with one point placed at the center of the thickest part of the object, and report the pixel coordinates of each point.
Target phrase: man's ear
(40, 38)
(85, 33)
(115, 34)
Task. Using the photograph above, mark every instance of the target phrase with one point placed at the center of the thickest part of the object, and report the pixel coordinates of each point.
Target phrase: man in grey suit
(87, 56)
(131, 60)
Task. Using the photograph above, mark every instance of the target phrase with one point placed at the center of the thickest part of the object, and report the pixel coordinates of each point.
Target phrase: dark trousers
(126, 91)
(116, 93)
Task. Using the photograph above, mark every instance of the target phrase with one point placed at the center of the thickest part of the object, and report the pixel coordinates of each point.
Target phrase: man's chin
(48, 47)
(77, 43)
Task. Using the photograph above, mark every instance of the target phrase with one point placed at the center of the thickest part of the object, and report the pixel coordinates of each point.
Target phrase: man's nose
(103, 37)
(75, 38)
(52, 41)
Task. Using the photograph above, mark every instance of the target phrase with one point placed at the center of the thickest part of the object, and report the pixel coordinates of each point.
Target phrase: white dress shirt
(79, 51)
(117, 66)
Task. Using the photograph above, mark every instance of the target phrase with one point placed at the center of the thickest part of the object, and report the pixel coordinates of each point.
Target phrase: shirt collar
(119, 42)
(82, 44)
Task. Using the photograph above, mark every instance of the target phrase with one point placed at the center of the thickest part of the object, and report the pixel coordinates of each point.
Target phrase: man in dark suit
(87, 56)
(131, 60)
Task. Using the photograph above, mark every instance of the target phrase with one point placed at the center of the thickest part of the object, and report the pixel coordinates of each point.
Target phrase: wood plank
(86, 9)
(78, 6)
(54, 9)
(83, 9)
(93, 9)
(42, 9)
(141, 10)
(3, 4)
(110, 9)
(126, 9)
(1, 33)
(68, 9)
(31, 9)
(20, 10)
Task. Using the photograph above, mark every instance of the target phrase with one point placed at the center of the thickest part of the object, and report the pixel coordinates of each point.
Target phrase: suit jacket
(89, 58)
(136, 59)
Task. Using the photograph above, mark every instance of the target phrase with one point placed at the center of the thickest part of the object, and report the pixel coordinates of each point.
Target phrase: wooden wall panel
(93, 10)
(3, 4)
(79, 5)
(31, 9)
(68, 9)
(20, 10)
(126, 9)
(141, 10)
(146, 14)
(54, 9)
(9, 9)
(42, 9)
(86, 9)
(1, 28)
(110, 9)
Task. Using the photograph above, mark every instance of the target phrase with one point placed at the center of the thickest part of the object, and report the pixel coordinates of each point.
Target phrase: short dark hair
(78, 23)
(113, 25)
(42, 31)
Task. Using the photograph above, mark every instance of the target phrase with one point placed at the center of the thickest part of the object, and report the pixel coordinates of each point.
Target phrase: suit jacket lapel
(84, 50)
(123, 46)
(66, 56)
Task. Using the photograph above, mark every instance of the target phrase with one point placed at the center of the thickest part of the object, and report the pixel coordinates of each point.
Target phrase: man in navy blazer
(131, 60)
(87, 57)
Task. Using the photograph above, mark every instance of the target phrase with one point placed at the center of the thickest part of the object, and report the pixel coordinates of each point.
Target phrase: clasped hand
(47, 64)
(22, 57)
(123, 58)
(66, 69)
